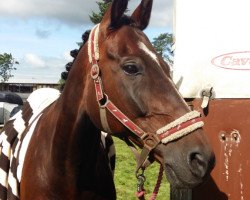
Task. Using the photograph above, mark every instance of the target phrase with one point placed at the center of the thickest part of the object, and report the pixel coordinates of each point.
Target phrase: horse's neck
(73, 126)
(84, 161)
(76, 141)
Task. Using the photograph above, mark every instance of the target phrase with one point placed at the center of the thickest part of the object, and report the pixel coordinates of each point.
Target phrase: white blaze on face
(143, 47)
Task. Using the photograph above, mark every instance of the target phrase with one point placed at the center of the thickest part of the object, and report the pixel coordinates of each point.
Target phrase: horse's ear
(141, 15)
(115, 12)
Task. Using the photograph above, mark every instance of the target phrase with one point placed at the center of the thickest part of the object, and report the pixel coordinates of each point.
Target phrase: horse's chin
(181, 181)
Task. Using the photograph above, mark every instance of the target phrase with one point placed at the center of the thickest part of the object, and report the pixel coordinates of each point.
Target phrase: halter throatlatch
(174, 130)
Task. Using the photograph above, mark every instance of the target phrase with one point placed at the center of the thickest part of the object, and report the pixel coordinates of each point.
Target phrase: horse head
(130, 93)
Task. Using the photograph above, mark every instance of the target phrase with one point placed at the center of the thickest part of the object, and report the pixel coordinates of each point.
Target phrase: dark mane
(73, 53)
(125, 20)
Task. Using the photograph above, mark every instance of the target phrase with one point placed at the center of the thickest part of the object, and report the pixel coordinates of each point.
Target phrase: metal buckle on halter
(150, 141)
(95, 71)
(104, 101)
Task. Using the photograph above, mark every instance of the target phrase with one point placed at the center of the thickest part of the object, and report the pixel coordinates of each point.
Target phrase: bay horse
(125, 89)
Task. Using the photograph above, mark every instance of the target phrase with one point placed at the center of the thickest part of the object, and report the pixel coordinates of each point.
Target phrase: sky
(40, 33)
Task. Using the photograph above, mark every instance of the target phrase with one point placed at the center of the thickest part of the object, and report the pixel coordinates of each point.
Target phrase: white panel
(213, 47)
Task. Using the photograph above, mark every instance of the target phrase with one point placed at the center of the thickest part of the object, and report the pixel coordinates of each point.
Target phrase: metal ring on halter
(104, 101)
(95, 71)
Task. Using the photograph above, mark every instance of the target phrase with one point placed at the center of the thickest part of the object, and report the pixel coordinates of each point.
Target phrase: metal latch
(206, 95)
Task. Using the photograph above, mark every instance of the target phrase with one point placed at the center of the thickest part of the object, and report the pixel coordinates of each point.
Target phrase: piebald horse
(125, 89)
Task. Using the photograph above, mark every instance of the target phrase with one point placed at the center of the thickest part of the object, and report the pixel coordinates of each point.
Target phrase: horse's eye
(130, 69)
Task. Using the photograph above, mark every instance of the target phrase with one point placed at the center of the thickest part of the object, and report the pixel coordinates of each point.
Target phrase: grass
(125, 180)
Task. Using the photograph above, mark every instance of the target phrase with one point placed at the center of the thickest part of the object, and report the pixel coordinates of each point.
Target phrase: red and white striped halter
(172, 131)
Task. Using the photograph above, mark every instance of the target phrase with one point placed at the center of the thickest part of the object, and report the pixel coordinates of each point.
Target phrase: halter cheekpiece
(174, 130)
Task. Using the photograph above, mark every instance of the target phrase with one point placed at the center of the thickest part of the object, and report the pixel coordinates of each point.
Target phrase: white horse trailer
(212, 71)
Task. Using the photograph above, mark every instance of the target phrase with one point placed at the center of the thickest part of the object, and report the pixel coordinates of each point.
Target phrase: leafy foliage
(6, 66)
(103, 6)
(163, 44)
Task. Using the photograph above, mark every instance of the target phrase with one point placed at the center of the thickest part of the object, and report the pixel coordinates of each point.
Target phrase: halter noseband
(174, 130)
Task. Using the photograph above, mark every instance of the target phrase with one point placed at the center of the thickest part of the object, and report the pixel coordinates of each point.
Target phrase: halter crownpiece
(93, 48)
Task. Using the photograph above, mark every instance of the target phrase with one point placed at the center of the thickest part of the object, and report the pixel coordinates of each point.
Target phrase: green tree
(6, 66)
(61, 84)
(97, 17)
(103, 6)
(162, 45)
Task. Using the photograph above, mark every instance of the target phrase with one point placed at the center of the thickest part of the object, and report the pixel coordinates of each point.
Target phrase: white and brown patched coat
(15, 137)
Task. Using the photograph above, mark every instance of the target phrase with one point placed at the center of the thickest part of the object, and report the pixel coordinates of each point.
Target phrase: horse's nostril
(197, 164)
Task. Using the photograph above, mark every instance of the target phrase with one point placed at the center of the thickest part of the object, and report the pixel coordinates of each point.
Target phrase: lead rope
(140, 194)
(158, 184)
